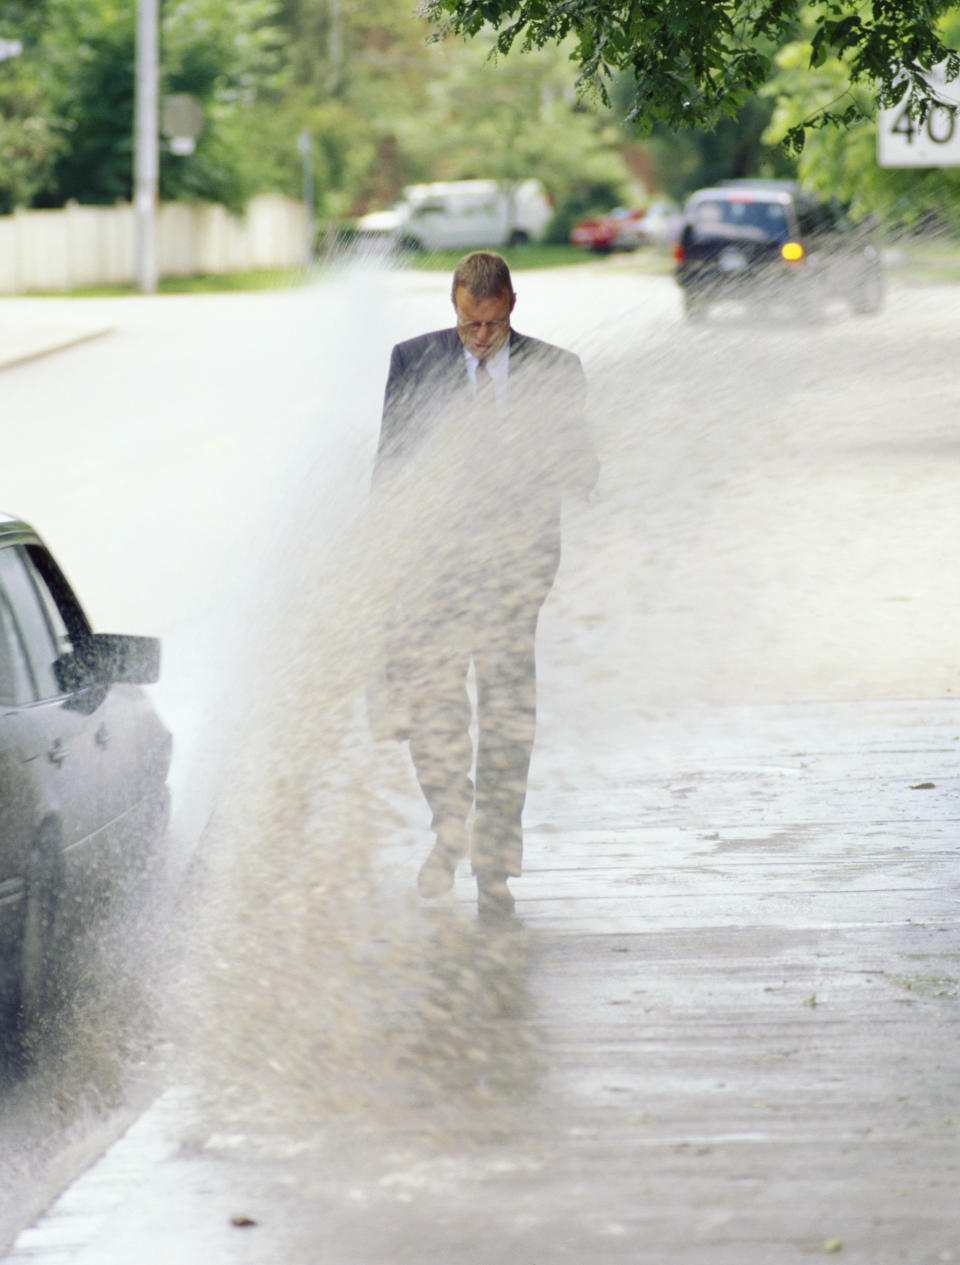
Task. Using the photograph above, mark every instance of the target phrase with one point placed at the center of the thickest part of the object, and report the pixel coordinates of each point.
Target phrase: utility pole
(146, 146)
(304, 145)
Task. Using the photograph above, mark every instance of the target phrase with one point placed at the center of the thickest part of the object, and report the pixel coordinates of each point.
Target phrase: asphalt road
(776, 523)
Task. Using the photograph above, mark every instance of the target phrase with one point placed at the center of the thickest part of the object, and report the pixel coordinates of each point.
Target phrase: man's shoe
(436, 874)
(494, 898)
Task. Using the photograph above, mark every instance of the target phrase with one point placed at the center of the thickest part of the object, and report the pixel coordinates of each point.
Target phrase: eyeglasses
(474, 327)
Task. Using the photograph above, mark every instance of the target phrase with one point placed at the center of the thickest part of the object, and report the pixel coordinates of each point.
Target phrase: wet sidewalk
(724, 1030)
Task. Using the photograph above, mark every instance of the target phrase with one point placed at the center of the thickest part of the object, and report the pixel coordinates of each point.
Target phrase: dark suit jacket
(482, 492)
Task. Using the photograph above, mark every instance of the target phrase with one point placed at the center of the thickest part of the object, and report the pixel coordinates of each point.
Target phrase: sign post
(181, 121)
(305, 146)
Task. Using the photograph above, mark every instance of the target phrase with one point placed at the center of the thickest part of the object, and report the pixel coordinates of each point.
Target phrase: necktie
(486, 392)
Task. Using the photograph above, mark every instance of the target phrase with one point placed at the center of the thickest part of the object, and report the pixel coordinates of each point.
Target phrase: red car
(618, 230)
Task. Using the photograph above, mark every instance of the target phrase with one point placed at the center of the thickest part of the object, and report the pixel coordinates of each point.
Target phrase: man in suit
(483, 433)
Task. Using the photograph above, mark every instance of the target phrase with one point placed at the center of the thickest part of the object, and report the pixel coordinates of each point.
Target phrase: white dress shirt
(498, 366)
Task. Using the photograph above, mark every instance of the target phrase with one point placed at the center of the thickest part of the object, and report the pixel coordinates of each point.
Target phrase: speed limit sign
(903, 141)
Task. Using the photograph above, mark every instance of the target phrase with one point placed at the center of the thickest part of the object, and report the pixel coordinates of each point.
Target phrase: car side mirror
(104, 659)
(114, 658)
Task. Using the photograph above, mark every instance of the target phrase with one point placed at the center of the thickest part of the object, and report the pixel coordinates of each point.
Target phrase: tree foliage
(230, 58)
(29, 142)
(382, 106)
(693, 62)
(385, 100)
(386, 107)
(519, 122)
(67, 102)
(87, 48)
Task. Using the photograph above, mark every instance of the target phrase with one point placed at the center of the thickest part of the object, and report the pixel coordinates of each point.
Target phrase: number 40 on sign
(903, 141)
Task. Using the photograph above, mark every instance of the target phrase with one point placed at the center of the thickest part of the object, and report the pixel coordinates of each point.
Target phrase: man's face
(483, 324)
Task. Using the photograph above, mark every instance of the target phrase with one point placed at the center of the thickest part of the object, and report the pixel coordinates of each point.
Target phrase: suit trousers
(496, 631)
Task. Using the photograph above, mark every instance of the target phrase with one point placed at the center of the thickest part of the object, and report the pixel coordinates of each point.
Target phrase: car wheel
(694, 305)
(408, 245)
(867, 298)
(518, 238)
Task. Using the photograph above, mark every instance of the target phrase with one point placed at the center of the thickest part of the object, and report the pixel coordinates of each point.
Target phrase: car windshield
(723, 217)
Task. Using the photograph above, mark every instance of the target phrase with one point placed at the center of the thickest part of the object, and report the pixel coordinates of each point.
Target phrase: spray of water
(775, 520)
(317, 983)
(741, 549)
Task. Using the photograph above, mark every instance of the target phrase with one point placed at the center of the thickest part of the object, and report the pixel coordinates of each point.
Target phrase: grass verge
(914, 261)
(519, 258)
(920, 261)
(203, 283)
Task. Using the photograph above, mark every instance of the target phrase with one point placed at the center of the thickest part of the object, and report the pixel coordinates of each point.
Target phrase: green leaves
(795, 138)
(66, 103)
(693, 62)
(835, 36)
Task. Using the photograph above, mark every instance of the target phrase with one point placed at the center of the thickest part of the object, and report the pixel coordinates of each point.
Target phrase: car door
(21, 794)
(51, 752)
(428, 224)
(125, 749)
(479, 219)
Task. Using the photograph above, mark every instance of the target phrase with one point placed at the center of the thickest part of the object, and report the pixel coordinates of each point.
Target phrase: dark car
(773, 244)
(83, 770)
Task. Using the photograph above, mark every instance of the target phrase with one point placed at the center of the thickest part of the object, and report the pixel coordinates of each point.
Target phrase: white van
(460, 214)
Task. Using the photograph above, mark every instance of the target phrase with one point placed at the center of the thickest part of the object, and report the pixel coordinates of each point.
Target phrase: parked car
(660, 224)
(772, 243)
(617, 230)
(460, 215)
(83, 770)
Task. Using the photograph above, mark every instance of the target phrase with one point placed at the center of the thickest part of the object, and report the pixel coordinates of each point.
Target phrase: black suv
(775, 245)
(83, 771)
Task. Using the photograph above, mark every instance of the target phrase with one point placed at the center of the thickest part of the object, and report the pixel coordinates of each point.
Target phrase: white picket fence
(95, 245)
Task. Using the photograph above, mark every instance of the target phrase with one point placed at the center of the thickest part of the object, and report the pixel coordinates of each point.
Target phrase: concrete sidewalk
(31, 327)
(725, 1030)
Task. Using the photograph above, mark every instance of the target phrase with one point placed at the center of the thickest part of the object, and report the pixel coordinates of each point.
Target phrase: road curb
(33, 347)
